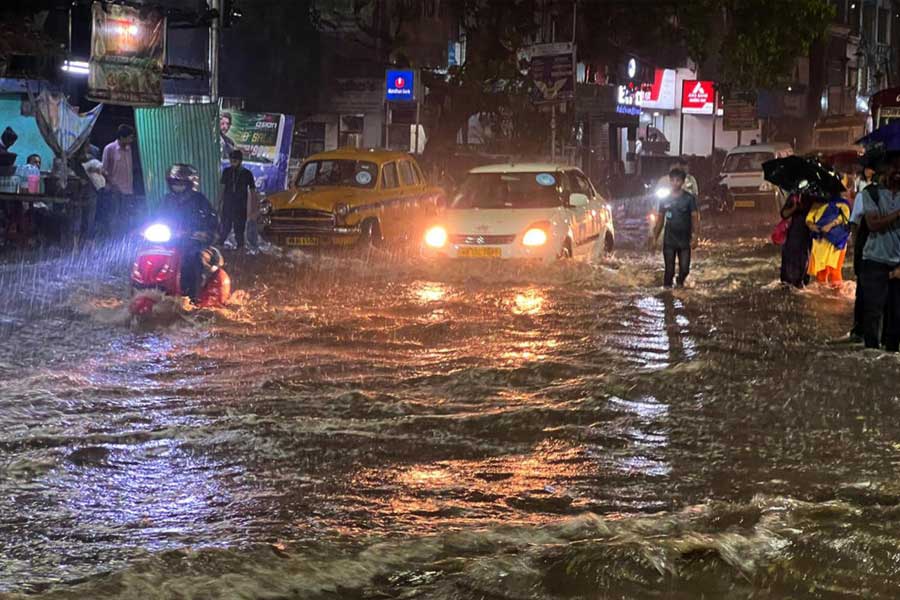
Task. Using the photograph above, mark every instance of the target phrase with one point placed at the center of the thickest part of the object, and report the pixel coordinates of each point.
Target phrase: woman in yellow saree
(828, 220)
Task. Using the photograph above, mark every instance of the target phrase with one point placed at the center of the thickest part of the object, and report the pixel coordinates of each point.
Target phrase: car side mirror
(578, 200)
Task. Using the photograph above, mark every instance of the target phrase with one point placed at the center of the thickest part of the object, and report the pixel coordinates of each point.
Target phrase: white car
(521, 211)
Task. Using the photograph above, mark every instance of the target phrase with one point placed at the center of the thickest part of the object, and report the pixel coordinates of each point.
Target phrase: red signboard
(698, 97)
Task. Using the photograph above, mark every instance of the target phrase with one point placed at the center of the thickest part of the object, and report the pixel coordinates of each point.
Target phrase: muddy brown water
(394, 429)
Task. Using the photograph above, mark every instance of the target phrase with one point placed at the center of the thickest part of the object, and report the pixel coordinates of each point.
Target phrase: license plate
(745, 204)
(302, 241)
(480, 252)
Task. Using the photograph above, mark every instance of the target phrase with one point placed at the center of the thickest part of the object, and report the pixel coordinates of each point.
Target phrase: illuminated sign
(697, 97)
(660, 95)
(400, 86)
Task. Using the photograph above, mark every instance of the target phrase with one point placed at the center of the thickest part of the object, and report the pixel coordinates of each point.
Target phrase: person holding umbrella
(797, 243)
(881, 259)
(807, 180)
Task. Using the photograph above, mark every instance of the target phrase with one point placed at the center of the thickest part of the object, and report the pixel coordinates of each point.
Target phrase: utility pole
(214, 28)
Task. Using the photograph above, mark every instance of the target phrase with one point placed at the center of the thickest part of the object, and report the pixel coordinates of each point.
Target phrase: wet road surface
(394, 429)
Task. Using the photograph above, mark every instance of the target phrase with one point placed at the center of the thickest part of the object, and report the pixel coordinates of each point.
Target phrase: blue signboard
(400, 86)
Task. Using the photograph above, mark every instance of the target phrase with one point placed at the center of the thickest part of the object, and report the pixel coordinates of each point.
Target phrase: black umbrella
(794, 173)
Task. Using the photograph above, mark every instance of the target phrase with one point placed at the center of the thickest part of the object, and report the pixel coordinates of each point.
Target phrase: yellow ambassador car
(351, 197)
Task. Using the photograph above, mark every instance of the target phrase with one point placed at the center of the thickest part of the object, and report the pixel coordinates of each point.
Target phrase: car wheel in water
(609, 244)
(371, 235)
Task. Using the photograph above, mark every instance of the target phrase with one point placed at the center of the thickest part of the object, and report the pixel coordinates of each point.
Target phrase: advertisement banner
(264, 139)
(698, 97)
(661, 94)
(128, 47)
(553, 71)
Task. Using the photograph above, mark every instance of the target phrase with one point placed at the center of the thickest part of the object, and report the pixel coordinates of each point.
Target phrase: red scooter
(158, 267)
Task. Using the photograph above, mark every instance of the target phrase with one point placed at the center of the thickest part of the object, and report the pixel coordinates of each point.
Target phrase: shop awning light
(76, 67)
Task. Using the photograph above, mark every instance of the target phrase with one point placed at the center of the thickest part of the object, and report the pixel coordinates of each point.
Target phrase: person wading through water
(680, 217)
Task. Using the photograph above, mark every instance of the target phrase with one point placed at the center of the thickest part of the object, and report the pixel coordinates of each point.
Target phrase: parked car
(522, 211)
(351, 197)
(742, 177)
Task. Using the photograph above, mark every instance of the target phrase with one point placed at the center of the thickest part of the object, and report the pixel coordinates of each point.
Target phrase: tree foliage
(751, 44)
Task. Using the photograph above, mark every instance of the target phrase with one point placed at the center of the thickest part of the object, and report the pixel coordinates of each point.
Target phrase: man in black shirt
(680, 216)
(238, 189)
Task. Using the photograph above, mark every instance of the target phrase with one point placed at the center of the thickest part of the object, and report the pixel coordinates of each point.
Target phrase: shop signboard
(661, 94)
(400, 85)
(128, 47)
(553, 72)
(265, 141)
(739, 115)
(698, 97)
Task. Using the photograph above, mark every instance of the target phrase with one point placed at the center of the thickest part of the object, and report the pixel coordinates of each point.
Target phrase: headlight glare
(158, 233)
(663, 192)
(436, 237)
(535, 237)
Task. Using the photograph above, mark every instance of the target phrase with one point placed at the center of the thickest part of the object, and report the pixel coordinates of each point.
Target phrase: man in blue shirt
(681, 218)
(881, 255)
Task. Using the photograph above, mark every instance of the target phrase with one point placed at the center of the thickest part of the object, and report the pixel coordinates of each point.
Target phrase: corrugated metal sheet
(184, 133)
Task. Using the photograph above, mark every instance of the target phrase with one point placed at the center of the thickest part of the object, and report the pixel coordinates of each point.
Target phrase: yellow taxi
(352, 197)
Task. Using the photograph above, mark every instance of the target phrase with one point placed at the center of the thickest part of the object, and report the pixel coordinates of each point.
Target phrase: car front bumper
(295, 237)
(516, 251)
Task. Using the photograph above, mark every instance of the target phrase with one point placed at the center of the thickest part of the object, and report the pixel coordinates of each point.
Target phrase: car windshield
(746, 162)
(338, 173)
(510, 190)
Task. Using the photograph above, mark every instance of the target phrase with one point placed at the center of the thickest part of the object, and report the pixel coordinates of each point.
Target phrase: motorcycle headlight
(662, 193)
(436, 237)
(158, 233)
(342, 210)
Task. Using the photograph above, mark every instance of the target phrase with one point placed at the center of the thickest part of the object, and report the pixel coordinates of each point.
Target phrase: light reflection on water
(375, 400)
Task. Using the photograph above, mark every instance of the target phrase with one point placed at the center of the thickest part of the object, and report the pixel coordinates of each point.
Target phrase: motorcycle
(158, 268)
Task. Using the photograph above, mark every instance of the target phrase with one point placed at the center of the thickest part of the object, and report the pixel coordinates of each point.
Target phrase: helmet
(183, 173)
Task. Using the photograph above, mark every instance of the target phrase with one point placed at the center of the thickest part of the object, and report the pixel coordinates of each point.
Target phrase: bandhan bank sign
(400, 85)
(698, 97)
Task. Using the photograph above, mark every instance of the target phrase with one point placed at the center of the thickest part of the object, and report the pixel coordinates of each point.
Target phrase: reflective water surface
(387, 428)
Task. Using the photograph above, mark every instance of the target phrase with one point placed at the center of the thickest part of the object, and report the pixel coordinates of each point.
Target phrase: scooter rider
(193, 220)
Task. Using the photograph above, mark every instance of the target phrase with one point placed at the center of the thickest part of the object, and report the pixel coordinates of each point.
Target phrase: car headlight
(342, 210)
(766, 187)
(535, 236)
(158, 233)
(436, 237)
(663, 192)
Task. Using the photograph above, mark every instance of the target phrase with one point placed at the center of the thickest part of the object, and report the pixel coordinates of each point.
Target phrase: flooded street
(396, 429)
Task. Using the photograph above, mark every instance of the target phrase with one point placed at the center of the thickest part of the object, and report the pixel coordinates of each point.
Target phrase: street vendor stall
(62, 193)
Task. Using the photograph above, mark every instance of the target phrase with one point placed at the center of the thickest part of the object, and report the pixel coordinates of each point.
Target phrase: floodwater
(394, 429)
